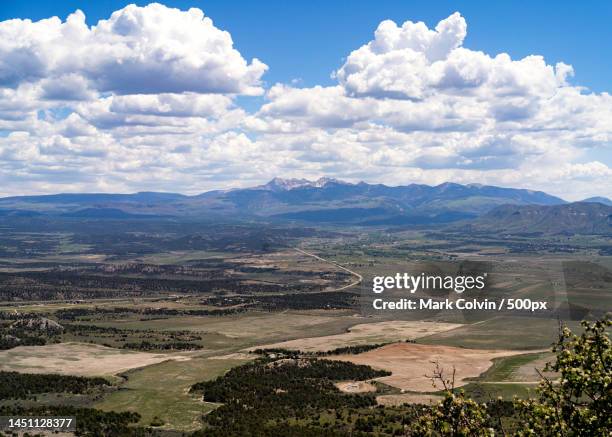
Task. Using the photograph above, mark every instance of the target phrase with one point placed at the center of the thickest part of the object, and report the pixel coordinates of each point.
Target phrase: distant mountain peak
(282, 184)
(321, 182)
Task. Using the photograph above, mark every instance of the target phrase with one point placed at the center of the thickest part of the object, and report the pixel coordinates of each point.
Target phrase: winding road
(352, 284)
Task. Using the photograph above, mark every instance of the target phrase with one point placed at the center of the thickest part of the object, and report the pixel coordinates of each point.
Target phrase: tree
(455, 416)
(580, 402)
(577, 404)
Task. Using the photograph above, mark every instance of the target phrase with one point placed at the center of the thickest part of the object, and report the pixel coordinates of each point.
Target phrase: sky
(188, 96)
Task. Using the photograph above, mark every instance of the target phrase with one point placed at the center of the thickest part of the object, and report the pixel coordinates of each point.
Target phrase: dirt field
(355, 387)
(78, 359)
(410, 363)
(368, 333)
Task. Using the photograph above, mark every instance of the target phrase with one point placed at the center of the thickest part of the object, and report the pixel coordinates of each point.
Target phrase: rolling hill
(599, 199)
(579, 217)
(322, 201)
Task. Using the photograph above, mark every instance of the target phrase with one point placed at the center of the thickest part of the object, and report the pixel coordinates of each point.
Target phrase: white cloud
(320, 106)
(147, 100)
(155, 112)
(589, 171)
(442, 109)
(138, 50)
(414, 62)
(395, 63)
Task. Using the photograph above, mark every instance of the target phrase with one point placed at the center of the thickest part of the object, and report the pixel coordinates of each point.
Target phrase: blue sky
(308, 40)
(155, 97)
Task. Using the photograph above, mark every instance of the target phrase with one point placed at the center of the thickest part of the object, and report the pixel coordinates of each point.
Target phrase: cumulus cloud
(147, 100)
(414, 62)
(395, 63)
(138, 50)
(422, 104)
(155, 112)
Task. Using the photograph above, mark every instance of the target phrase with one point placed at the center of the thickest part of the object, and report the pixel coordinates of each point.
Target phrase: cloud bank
(147, 50)
(147, 100)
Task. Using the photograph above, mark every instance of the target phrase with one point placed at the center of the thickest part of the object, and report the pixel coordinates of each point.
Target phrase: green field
(241, 331)
(516, 368)
(516, 333)
(162, 391)
(160, 297)
(483, 392)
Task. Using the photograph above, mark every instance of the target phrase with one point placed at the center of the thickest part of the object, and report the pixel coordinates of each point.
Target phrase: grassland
(79, 359)
(235, 332)
(162, 391)
(494, 354)
(483, 392)
(370, 333)
(514, 333)
(519, 368)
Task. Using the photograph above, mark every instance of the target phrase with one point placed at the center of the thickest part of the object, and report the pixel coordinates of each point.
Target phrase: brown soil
(412, 364)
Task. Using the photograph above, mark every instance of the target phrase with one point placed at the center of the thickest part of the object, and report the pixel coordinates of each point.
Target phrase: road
(352, 284)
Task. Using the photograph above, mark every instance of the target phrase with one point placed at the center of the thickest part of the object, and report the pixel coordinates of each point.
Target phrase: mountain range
(576, 218)
(325, 200)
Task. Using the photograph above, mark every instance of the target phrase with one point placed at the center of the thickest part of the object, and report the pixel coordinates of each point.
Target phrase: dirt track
(358, 277)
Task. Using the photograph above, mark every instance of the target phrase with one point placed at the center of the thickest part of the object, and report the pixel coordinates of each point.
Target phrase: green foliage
(9, 341)
(14, 385)
(580, 403)
(455, 416)
(258, 397)
(89, 422)
(157, 421)
(296, 353)
(25, 329)
(149, 346)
